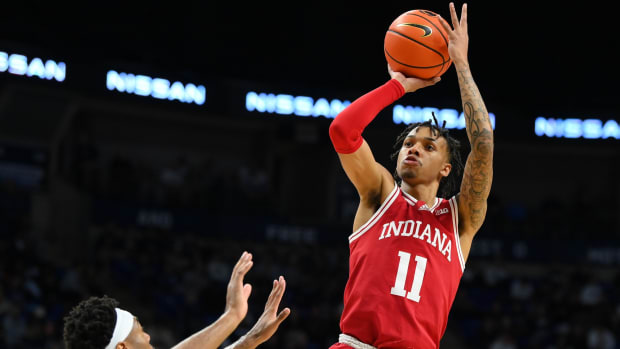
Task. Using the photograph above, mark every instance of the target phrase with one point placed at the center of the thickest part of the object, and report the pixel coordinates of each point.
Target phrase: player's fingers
(430, 82)
(455, 19)
(239, 274)
(283, 283)
(395, 74)
(464, 17)
(445, 24)
(276, 294)
(280, 291)
(245, 267)
(247, 290)
(235, 273)
(242, 267)
(283, 315)
(270, 299)
(239, 261)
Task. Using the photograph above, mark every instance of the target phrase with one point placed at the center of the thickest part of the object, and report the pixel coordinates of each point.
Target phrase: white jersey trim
(455, 226)
(437, 202)
(409, 201)
(375, 217)
(409, 196)
(353, 342)
(412, 201)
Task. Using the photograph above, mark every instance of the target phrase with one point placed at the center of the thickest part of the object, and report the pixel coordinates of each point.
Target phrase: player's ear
(445, 170)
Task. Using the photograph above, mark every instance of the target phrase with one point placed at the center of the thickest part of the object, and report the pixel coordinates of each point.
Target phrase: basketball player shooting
(409, 247)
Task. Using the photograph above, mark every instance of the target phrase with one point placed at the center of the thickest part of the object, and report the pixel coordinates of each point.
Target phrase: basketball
(416, 44)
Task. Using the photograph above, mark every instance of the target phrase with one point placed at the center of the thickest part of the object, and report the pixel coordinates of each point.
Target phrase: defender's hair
(90, 324)
(448, 184)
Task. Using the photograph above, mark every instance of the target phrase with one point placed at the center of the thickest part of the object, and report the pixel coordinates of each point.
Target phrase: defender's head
(97, 323)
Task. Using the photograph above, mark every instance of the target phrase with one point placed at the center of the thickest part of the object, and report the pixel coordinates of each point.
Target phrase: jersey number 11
(401, 276)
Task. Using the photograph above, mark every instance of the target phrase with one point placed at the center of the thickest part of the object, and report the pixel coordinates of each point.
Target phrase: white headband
(124, 324)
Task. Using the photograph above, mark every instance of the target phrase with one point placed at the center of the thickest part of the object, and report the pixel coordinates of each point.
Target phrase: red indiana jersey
(405, 266)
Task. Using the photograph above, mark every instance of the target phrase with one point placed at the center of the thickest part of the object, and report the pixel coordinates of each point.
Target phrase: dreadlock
(447, 185)
(90, 324)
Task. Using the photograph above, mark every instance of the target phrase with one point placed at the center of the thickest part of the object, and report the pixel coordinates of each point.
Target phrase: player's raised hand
(411, 84)
(269, 321)
(238, 293)
(458, 37)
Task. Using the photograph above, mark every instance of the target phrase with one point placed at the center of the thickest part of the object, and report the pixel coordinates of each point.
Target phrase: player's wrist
(399, 81)
(233, 316)
(246, 342)
(400, 85)
(461, 64)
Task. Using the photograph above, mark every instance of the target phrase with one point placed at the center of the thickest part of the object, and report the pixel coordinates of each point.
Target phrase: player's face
(138, 339)
(423, 157)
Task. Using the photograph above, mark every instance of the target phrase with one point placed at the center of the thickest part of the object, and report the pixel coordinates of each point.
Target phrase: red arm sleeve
(346, 129)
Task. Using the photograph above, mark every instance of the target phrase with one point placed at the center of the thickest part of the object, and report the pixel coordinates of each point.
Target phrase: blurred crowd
(175, 279)
(180, 182)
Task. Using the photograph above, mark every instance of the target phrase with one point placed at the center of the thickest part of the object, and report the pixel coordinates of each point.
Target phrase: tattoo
(478, 173)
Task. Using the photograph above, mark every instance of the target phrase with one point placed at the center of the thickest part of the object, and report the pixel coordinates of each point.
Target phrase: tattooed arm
(478, 173)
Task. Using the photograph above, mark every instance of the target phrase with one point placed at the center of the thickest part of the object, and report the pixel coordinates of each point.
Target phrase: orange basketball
(416, 44)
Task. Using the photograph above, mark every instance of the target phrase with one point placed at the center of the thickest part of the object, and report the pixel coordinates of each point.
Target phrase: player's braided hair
(447, 185)
(90, 324)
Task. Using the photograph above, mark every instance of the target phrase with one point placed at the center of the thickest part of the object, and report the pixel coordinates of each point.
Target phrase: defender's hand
(269, 321)
(238, 293)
